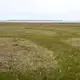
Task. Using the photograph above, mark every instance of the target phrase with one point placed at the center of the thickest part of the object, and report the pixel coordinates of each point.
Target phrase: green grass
(66, 55)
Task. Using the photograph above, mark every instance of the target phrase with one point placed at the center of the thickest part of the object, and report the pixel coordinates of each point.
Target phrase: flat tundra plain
(39, 51)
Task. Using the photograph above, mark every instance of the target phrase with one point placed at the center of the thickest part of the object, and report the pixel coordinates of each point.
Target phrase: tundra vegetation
(39, 51)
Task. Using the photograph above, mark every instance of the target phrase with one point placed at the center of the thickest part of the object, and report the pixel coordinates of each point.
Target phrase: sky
(66, 10)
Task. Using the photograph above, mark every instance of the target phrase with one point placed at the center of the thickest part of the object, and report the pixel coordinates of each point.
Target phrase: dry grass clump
(73, 42)
(21, 55)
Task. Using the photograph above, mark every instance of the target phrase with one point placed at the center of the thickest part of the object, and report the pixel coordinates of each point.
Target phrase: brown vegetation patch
(21, 55)
(73, 42)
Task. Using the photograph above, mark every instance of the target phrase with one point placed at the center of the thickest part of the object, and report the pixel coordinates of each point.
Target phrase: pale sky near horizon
(40, 10)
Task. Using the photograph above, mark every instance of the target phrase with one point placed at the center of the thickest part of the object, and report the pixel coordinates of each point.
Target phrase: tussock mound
(21, 55)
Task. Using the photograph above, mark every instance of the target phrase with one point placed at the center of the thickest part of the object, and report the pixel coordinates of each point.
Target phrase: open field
(39, 51)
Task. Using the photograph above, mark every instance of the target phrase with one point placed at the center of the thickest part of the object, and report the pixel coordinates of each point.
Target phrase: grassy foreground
(39, 51)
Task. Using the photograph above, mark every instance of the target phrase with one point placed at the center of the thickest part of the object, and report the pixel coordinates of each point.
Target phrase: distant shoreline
(37, 21)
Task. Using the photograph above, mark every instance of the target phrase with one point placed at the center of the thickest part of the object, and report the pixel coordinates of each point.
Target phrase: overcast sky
(40, 9)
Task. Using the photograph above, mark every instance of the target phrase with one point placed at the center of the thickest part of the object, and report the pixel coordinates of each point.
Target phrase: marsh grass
(42, 52)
